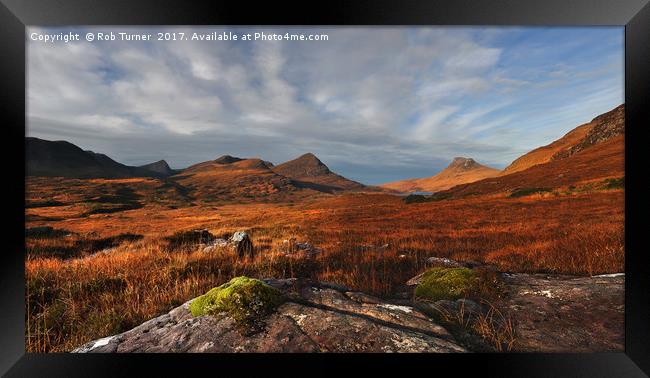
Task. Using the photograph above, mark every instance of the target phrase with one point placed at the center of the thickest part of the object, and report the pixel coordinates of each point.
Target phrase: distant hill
(600, 129)
(308, 171)
(160, 167)
(595, 157)
(64, 159)
(243, 179)
(227, 159)
(460, 171)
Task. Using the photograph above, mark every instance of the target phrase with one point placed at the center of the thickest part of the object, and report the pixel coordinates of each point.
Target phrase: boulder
(566, 314)
(298, 249)
(468, 306)
(242, 244)
(314, 317)
(450, 308)
(442, 261)
(304, 246)
(216, 244)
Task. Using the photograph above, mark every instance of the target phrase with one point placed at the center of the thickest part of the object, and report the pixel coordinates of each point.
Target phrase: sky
(374, 104)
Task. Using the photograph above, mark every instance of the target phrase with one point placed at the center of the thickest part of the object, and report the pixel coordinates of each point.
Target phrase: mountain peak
(310, 171)
(227, 159)
(304, 165)
(309, 157)
(160, 167)
(162, 163)
(463, 163)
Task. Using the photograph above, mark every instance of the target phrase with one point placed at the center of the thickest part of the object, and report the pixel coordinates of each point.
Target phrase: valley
(100, 258)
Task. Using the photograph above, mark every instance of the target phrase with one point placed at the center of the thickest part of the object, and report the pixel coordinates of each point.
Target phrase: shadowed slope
(64, 159)
(160, 167)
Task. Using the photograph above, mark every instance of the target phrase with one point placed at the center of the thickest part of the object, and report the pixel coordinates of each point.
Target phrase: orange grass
(371, 242)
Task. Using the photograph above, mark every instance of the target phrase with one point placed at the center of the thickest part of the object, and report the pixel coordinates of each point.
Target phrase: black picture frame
(16, 14)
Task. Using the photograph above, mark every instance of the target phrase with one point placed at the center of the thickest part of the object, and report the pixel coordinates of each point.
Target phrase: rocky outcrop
(566, 314)
(550, 313)
(605, 127)
(316, 317)
(240, 242)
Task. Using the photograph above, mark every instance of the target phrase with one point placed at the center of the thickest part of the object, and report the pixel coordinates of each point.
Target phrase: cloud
(402, 101)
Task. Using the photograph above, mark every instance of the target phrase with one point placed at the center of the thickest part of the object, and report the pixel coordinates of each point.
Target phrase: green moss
(446, 283)
(618, 183)
(528, 191)
(244, 299)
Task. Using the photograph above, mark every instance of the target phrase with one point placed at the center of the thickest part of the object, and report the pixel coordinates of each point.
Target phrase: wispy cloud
(376, 104)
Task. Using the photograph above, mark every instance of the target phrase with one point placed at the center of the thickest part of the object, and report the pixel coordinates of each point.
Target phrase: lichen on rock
(246, 300)
(446, 283)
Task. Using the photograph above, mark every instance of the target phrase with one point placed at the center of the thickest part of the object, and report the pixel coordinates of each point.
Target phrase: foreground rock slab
(567, 314)
(316, 318)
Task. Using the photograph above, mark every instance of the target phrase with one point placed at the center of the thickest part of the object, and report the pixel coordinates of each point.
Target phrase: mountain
(64, 159)
(460, 171)
(308, 171)
(600, 129)
(593, 159)
(240, 180)
(227, 159)
(160, 167)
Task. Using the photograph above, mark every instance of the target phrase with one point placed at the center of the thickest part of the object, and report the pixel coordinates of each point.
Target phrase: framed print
(432, 183)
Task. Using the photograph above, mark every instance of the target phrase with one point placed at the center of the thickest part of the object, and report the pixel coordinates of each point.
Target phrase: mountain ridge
(62, 158)
(599, 129)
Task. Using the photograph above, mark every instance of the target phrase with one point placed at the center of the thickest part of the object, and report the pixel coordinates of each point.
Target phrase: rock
(415, 280)
(449, 308)
(362, 298)
(442, 261)
(403, 295)
(468, 306)
(566, 314)
(242, 244)
(216, 244)
(435, 308)
(319, 319)
(296, 249)
(446, 304)
(281, 284)
(332, 285)
(304, 246)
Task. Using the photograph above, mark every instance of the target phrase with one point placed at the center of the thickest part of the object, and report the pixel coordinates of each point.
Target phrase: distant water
(417, 193)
